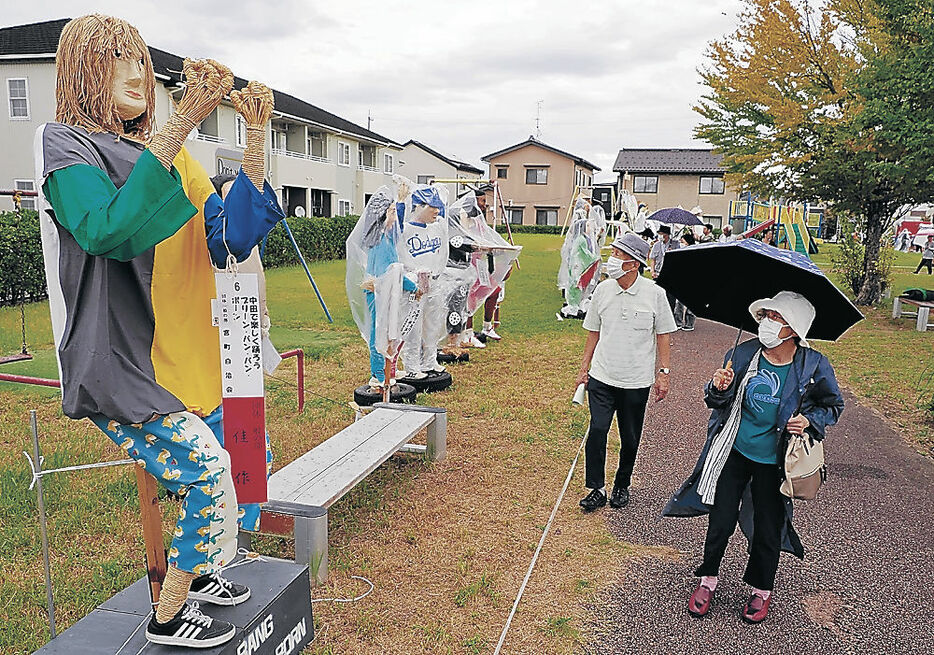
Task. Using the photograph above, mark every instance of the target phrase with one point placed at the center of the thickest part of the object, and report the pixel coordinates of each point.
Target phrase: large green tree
(829, 101)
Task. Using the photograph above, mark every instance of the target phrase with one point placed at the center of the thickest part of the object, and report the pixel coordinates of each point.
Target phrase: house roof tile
(533, 141)
(668, 160)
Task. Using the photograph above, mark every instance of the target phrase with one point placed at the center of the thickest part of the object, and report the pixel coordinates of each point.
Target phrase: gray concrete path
(866, 584)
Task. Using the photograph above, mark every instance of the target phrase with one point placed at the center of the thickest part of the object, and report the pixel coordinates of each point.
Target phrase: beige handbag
(805, 470)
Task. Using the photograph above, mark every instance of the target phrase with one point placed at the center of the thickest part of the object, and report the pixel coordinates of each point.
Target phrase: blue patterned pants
(183, 452)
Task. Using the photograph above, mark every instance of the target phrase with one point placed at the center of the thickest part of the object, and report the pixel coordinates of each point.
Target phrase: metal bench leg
(922, 324)
(311, 544)
(897, 308)
(437, 437)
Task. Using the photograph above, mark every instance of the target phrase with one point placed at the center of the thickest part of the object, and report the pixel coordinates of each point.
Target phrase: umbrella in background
(675, 216)
(740, 272)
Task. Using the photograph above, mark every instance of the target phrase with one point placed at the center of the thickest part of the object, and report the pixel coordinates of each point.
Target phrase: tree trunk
(871, 291)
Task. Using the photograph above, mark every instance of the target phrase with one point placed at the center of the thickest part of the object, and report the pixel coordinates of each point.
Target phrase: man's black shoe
(619, 497)
(594, 500)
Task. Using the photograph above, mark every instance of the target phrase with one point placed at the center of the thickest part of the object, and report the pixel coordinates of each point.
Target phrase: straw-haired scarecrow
(130, 227)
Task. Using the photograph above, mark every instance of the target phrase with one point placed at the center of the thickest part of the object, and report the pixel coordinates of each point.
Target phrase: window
(317, 144)
(514, 215)
(241, 131)
(645, 184)
(716, 221)
(711, 185)
(546, 216)
(367, 156)
(501, 173)
(425, 179)
(25, 185)
(280, 140)
(344, 207)
(18, 93)
(343, 153)
(387, 163)
(536, 176)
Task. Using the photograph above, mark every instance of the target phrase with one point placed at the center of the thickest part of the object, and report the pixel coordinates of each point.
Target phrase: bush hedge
(22, 275)
(530, 229)
(318, 239)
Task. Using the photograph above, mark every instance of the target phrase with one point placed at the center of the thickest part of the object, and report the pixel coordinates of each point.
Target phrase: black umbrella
(718, 281)
(675, 216)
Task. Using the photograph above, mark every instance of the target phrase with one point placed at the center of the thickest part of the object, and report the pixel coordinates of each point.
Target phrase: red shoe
(757, 608)
(699, 604)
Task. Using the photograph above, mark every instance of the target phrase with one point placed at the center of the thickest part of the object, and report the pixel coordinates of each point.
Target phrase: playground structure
(796, 227)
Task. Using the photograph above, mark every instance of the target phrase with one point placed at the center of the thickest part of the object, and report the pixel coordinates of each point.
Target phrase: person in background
(768, 387)
(927, 255)
(707, 236)
(727, 235)
(627, 354)
(684, 316)
(657, 260)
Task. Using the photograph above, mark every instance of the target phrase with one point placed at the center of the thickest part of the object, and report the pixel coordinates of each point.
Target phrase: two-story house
(537, 181)
(319, 163)
(672, 177)
(423, 164)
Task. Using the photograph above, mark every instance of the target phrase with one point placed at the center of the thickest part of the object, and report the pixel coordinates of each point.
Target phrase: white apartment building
(424, 165)
(319, 164)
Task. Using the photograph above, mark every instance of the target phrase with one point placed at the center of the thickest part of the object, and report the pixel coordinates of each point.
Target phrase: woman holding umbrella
(768, 388)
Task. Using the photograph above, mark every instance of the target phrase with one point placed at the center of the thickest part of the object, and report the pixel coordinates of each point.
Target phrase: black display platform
(275, 620)
(399, 393)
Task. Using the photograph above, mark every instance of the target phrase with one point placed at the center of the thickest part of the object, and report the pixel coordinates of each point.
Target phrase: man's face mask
(617, 267)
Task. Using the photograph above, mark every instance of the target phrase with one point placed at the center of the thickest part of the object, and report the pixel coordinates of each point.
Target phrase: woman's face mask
(769, 330)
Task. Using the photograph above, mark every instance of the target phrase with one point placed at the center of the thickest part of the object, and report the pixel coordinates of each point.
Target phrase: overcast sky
(462, 77)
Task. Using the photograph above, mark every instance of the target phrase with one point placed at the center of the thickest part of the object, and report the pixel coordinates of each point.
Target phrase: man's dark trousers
(629, 406)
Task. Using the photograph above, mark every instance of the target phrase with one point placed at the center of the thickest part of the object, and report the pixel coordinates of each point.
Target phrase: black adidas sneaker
(218, 590)
(190, 628)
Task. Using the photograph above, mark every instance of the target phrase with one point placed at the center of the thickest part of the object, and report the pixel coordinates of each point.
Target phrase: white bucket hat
(797, 311)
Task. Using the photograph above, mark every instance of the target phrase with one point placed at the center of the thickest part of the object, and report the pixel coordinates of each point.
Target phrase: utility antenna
(369, 119)
(538, 119)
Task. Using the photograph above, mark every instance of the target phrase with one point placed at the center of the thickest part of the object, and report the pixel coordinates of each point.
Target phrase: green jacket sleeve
(119, 223)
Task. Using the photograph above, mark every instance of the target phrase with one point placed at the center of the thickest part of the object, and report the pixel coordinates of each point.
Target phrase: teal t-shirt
(757, 437)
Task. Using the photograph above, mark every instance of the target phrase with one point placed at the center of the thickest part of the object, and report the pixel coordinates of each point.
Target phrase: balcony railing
(210, 138)
(300, 155)
(373, 169)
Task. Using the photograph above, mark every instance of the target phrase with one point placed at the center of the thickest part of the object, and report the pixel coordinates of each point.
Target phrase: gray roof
(668, 160)
(456, 163)
(42, 39)
(533, 141)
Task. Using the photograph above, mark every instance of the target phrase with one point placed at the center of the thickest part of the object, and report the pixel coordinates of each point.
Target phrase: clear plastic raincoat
(423, 251)
(580, 257)
(381, 296)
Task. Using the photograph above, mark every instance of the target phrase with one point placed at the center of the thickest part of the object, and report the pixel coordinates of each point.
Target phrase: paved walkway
(866, 584)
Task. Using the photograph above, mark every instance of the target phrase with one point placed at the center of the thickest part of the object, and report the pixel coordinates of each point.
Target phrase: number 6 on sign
(237, 316)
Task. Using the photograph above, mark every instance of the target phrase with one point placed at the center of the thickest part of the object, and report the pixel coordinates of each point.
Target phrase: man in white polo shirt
(627, 354)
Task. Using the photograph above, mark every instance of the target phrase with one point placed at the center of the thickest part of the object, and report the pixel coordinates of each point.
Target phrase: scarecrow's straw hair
(85, 63)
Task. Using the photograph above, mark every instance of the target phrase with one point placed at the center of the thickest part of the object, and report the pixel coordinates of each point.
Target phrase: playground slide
(807, 245)
(761, 227)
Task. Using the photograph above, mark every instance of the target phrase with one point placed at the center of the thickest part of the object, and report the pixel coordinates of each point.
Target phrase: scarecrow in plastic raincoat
(382, 298)
(479, 259)
(423, 251)
(580, 258)
(130, 227)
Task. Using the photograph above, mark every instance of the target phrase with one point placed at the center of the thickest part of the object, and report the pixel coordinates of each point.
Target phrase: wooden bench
(301, 492)
(922, 313)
